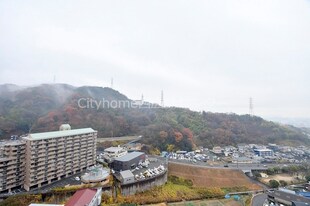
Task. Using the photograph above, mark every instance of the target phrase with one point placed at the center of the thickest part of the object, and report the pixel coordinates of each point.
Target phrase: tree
(163, 134)
(307, 177)
(270, 171)
(170, 147)
(178, 136)
(277, 170)
(274, 183)
(285, 170)
(256, 175)
(293, 169)
(283, 183)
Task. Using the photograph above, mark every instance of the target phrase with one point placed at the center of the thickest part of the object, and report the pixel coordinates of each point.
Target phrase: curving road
(258, 200)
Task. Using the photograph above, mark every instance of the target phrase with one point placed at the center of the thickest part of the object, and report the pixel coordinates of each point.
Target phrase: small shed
(127, 177)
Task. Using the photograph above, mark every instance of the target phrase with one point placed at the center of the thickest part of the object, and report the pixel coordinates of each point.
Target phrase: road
(125, 138)
(231, 165)
(258, 200)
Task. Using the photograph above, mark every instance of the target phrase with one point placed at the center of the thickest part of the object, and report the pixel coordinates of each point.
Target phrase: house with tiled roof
(85, 197)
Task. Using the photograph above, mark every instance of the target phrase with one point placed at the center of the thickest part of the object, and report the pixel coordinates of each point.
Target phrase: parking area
(72, 180)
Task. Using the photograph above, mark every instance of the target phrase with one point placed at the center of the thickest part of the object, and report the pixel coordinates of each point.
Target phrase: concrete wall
(143, 185)
(96, 201)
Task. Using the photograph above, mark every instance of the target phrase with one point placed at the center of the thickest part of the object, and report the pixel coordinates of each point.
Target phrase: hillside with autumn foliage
(45, 107)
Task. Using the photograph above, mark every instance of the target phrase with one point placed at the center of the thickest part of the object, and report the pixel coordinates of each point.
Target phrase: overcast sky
(210, 55)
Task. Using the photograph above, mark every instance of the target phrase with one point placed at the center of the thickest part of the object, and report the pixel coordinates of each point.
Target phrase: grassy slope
(211, 177)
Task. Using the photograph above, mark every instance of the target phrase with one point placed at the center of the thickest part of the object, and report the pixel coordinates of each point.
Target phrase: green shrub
(274, 183)
(180, 181)
(307, 177)
(283, 183)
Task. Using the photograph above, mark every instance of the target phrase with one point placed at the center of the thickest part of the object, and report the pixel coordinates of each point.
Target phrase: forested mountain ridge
(45, 107)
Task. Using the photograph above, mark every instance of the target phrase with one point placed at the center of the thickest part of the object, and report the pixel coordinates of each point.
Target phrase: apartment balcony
(83, 141)
(83, 153)
(52, 140)
(61, 149)
(11, 167)
(52, 170)
(10, 177)
(41, 164)
(12, 163)
(83, 163)
(52, 144)
(3, 170)
(62, 171)
(70, 142)
(42, 146)
(83, 159)
(11, 172)
(41, 155)
(76, 157)
(61, 146)
(51, 153)
(68, 167)
(52, 149)
(90, 158)
(60, 158)
(69, 157)
(68, 163)
(77, 144)
(40, 159)
(51, 156)
(33, 170)
(61, 143)
(40, 173)
(41, 176)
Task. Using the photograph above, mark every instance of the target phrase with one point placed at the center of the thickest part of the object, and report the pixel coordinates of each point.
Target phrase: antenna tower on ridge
(251, 113)
(162, 98)
(111, 83)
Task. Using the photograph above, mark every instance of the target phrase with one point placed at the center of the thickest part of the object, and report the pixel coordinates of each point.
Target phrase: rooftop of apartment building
(11, 143)
(8, 143)
(55, 134)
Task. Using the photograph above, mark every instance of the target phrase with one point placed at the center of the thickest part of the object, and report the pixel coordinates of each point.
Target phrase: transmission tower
(251, 113)
(111, 83)
(162, 98)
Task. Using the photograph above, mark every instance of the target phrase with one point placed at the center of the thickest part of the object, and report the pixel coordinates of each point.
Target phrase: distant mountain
(45, 107)
(8, 90)
(297, 122)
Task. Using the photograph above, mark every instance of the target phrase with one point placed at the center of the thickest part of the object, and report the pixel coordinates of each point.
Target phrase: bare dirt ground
(212, 177)
(286, 177)
(201, 203)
